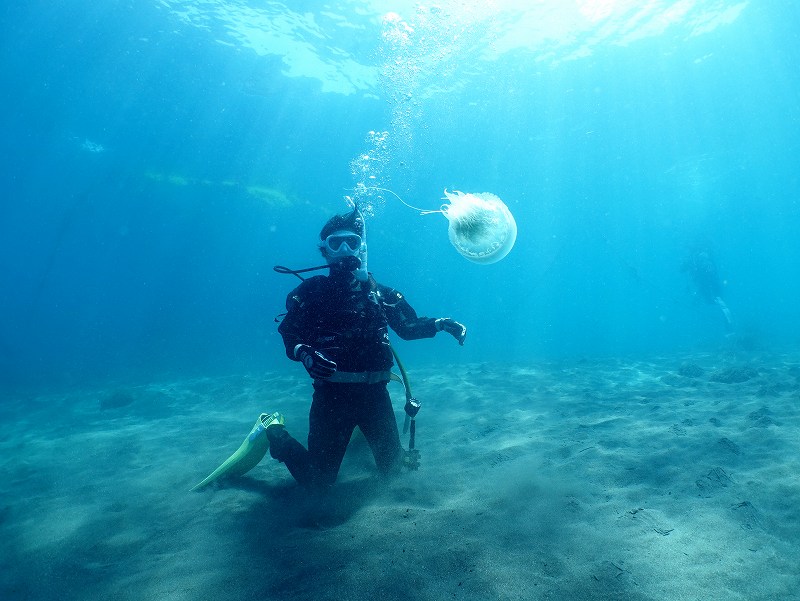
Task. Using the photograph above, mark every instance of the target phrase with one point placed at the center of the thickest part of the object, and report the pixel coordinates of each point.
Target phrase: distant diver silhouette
(702, 271)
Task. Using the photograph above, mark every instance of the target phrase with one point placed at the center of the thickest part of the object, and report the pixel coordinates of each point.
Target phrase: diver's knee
(280, 442)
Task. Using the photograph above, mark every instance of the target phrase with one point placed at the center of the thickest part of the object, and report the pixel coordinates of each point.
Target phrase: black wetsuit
(348, 321)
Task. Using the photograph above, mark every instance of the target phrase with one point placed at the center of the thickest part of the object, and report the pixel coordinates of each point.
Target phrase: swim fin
(249, 453)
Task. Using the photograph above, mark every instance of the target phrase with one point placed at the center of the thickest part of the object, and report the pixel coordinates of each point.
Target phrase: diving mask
(342, 244)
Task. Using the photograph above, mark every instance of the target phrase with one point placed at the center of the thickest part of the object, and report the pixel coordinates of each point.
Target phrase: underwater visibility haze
(160, 157)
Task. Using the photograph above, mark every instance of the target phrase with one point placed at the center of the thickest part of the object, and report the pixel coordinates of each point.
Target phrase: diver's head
(352, 222)
(345, 236)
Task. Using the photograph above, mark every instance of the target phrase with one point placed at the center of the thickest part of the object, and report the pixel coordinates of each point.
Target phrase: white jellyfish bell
(481, 229)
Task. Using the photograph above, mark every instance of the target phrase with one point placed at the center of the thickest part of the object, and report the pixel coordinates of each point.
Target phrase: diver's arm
(296, 330)
(317, 364)
(291, 333)
(403, 319)
(293, 328)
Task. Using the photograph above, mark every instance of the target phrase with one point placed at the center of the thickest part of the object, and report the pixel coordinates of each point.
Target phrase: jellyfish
(481, 229)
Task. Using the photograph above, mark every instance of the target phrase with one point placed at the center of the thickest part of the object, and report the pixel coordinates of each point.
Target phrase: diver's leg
(331, 424)
(724, 308)
(289, 451)
(378, 423)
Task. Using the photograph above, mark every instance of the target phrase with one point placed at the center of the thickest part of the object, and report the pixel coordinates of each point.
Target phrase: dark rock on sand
(728, 445)
(761, 418)
(713, 481)
(691, 370)
(733, 375)
(775, 389)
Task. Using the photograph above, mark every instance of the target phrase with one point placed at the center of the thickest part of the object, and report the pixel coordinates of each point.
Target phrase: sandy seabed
(673, 478)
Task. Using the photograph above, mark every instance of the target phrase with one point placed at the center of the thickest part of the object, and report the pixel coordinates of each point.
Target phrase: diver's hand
(317, 365)
(452, 327)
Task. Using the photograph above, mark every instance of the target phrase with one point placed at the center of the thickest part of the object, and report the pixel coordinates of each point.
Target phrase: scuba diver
(337, 326)
(702, 271)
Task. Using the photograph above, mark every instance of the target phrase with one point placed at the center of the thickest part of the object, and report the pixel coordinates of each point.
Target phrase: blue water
(160, 158)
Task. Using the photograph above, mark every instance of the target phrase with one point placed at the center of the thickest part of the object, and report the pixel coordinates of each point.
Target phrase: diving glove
(452, 327)
(317, 365)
